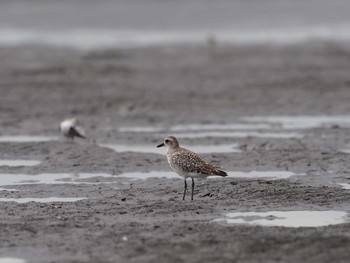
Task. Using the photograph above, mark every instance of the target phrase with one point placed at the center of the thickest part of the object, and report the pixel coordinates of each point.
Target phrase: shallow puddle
(66, 178)
(287, 218)
(11, 260)
(9, 189)
(27, 138)
(147, 175)
(346, 150)
(225, 131)
(345, 185)
(198, 127)
(16, 163)
(302, 122)
(42, 200)
(202, 149)
(241, 134)
(48, 178)
(268, 175)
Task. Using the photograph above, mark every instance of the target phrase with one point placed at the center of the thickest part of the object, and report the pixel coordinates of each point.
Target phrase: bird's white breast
(66, 126)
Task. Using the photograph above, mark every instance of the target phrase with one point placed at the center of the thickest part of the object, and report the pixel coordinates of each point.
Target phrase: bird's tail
(78, 132)
(220, 172)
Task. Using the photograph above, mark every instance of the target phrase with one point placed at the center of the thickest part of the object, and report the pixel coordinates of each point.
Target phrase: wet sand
(126, 220)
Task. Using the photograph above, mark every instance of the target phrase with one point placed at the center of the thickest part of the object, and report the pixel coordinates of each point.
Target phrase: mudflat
(133, 98)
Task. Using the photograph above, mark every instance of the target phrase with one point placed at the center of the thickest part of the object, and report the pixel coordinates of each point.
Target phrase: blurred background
(91, 24)
(105, 61)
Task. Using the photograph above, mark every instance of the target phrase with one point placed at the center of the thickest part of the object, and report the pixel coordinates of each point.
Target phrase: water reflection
(95, 178)
(202, 149)
(16, 163)
(197, 127)
(287, 218)
(52, 178)
(302, 122)
(12, 260)
(268, 175)
(42, 200)
(27, 138)
(8, 189)
(241, 134)
(259, 130)
(345, 185)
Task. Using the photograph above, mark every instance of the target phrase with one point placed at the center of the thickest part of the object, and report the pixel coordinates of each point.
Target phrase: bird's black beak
(160, 145)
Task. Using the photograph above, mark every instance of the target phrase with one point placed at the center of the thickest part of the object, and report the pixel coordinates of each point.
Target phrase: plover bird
(70, 128)
(188, 164)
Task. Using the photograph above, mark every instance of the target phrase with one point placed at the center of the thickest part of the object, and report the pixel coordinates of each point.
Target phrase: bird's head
(170, 142)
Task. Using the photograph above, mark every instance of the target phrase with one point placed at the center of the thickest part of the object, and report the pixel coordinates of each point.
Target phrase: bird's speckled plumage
(190, 164)
(187, 163)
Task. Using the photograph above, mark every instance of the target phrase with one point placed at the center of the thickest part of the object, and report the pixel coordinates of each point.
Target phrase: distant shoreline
(87, 39)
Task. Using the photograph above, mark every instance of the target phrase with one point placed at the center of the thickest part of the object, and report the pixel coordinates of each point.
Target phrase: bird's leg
(192, 188)
(183, 198)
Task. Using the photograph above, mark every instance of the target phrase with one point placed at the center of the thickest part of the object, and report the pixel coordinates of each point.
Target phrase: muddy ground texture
(146, 220)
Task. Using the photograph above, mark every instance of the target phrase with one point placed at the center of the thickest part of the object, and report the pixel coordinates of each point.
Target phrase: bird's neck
(172, 149)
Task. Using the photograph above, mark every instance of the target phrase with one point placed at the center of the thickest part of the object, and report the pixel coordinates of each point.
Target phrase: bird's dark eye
(167, 141)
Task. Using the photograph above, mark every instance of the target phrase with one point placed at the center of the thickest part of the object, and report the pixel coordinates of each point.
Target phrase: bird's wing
(77, 132)
(191, 162)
